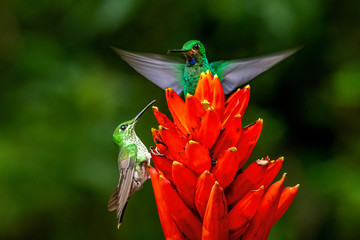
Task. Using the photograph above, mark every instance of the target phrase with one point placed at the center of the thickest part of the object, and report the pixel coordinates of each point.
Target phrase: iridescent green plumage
(168, 73)
(133, 161)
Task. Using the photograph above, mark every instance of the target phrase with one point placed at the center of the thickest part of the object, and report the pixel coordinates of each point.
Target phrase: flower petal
(237, 103)
(197, 156)
(163, 164)
(261, 172)
(216, 222)
(184, 218)
(247, 141)
(202, 91)
(160, 145)
(171, 231)
(229, 136)
(224, 170)
(260, 226)
(162, 119)
(286, 198)
(218, 99)
(174, 142)
(194, 112)
(203, 188)
(185, 181)
(210, 128)
(177, 109)
(241, 214)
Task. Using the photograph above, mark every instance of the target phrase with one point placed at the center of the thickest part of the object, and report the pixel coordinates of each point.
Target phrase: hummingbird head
(193, 50)
(125, 132)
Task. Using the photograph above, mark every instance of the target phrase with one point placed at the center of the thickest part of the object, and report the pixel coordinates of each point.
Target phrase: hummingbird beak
(176, 51)
(142, 111)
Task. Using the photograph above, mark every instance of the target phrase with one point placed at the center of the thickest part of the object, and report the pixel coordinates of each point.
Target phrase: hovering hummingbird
(169, 73)
(133, 160)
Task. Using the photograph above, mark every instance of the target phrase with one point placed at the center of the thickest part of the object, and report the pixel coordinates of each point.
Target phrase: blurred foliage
(63, 91)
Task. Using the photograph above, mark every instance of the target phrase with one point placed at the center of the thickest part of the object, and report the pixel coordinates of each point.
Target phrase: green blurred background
(63, 91)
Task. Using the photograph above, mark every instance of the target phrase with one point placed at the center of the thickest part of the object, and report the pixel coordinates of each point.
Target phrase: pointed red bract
(210, 128)
(185, 182)
(184, 218)
(229, 136)
(261, 172)
(216, 222)
(260, 225)
(241, 214)
(162, 119)
(201, 187)
(177, 109)
(194, 111)
(224, 169)
(237, 103)
(163, 164)
(197, 157)
(171, 231)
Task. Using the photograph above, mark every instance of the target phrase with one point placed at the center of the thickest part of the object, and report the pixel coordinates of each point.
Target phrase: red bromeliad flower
(200, 188)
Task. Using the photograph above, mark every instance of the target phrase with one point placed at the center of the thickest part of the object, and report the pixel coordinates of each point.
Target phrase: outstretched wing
(118, 200)
(161, 70)
(238, 72)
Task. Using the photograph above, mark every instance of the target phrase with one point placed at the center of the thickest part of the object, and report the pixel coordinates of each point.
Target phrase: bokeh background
(63, 90)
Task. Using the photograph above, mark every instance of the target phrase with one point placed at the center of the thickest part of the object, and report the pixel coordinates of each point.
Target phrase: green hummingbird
(133, 160)
(169, 73)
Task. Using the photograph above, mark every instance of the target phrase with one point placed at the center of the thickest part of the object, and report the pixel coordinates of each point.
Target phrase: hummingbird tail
(121, 216)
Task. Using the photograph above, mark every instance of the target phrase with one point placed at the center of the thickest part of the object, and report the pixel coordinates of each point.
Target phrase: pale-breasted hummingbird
(133, 160)
(169, 73)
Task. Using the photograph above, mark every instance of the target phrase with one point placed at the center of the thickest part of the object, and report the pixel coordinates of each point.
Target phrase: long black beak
(142, 111)
(176, 50)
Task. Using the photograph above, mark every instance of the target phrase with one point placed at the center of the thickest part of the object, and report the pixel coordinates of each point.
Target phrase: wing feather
(161, 70)
(238, 72)
(119, 198)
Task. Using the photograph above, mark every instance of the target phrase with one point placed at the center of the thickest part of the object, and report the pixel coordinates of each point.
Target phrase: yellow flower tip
(232, 149)
(176, 163)
(216, 182)
(154, 107)
(260, 120)
(207, 71)
(153, 129)
(247, 87)
(238, 115)
(284, 175)
(193, 142)
(216, 77)
(297, 186)
(205, 103)
(206, 172)
(262, 187)
(160, 127)
(281, 158)
(202, 75)
(118, 226)
(271, 161)
(168, 89)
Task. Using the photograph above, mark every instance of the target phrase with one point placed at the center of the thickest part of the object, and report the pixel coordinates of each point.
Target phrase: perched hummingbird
(169, 73)
(133, 160)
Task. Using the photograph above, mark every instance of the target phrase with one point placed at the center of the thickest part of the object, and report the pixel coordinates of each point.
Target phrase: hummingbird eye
(196, 46)
(123, 127)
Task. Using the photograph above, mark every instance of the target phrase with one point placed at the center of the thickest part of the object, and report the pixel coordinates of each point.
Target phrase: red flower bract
(200, 188)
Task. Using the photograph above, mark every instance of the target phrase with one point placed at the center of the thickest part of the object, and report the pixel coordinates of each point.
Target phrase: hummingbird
(169, 73)
(133, 160)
